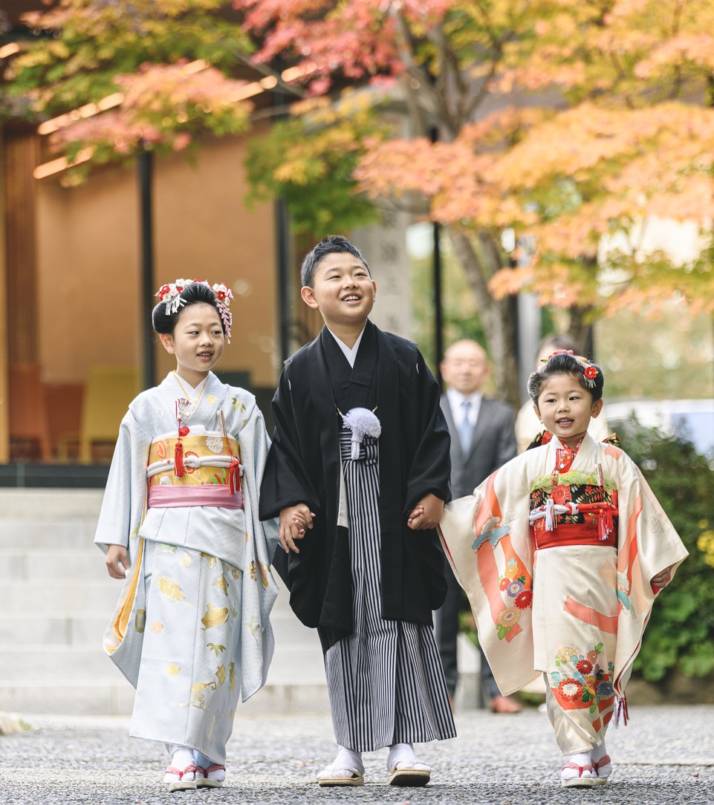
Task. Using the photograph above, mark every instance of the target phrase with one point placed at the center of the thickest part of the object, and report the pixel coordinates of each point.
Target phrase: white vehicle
(690, 419)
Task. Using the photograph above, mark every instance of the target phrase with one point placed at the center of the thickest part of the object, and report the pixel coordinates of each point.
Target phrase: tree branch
(413, 69)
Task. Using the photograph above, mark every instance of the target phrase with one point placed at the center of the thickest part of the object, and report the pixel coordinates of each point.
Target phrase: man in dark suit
(482, 439)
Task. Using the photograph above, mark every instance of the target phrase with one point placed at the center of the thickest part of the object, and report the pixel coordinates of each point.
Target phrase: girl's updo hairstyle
(164, 322)
(588, 375)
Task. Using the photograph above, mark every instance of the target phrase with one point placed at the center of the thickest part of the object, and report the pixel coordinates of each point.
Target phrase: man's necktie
(466, 429)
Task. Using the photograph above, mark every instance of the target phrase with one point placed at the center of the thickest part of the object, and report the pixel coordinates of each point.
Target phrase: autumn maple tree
(576, 125)
(147, 74)
(580, 127)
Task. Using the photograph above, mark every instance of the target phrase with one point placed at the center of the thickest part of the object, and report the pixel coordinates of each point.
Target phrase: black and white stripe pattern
(386, 682)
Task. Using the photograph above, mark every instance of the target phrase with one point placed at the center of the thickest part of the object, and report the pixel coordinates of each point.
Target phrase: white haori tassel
(362, 422)
(549, 515)
(549, 511)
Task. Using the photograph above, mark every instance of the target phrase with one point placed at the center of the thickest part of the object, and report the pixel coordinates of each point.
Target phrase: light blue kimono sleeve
(125, 492)
(255, 444)
(259, 590)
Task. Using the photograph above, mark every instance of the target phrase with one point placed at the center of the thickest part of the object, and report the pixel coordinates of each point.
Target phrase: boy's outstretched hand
(426, 514)
(117, 561)
(294, 520)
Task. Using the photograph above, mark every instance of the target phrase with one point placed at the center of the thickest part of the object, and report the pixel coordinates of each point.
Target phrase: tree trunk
(580, 329)
(497, 317)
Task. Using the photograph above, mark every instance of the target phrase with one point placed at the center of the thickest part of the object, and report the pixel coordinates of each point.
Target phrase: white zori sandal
(345, 769)
(577, 771)
(181, 779)
(212, 776)
(404, 769)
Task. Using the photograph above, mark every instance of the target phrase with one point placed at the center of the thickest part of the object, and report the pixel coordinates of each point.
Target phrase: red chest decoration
(564, 457)
(561, 493)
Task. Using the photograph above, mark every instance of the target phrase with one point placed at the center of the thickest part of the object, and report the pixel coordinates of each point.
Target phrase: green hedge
(680, 634)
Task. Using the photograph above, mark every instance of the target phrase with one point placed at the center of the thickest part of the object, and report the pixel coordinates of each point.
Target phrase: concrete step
(50, 504)
(71, 629)
(85, 697)
(53, 534)
(293, 664)
(83, 680)
(52, 630)
(41, 663)
(48, 518)
(80, 696)
(55, 597)
(34, 564)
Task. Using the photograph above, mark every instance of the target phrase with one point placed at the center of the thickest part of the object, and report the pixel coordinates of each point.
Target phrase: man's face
(342, 290)
(464, 367)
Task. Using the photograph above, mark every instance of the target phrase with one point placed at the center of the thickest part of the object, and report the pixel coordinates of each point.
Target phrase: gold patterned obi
(200, 469)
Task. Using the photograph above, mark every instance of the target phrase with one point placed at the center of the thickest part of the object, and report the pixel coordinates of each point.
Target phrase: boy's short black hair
(564, 363)
(332, 244)
(164, 322)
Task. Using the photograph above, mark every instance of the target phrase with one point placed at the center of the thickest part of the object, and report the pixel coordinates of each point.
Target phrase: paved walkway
(665, 755)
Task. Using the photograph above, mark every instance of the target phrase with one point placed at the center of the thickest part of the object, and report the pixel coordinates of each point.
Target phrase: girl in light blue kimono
(179, 522)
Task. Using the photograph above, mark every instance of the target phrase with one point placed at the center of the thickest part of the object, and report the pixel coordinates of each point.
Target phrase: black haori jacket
(303, 466)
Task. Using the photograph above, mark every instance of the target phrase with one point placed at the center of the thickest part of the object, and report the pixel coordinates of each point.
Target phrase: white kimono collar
(213, 396)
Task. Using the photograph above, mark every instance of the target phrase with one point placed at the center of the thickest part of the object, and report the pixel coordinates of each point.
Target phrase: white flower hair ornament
(170, 295)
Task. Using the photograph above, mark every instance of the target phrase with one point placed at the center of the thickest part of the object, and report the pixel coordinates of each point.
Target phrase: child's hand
(117, 561)
(426, 514)
(293, 522)
(661, 580)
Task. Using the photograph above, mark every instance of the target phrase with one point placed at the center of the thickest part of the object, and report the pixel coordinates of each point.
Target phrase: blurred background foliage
(680, 634)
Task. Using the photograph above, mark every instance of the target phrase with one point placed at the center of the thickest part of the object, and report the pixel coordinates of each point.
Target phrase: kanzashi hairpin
(170, 295)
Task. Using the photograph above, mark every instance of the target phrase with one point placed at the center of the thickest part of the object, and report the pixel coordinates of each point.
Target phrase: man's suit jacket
(493, 444)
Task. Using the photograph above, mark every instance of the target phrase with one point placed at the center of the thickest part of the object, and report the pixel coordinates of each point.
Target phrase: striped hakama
(386, 682)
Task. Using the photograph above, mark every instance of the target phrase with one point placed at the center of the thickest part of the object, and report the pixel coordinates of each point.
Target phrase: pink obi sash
(164, 497)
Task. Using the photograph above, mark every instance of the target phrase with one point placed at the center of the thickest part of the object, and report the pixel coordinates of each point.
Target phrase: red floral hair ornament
(590, 370)
(170, 294)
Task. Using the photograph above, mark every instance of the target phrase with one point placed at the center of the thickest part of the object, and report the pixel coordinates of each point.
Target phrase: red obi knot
(234, 476)
(179, 467)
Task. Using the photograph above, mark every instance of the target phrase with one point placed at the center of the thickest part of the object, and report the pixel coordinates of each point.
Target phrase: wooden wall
(70, 255)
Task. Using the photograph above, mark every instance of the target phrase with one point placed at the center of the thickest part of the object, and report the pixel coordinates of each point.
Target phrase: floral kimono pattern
(574, 612)
(191, 629)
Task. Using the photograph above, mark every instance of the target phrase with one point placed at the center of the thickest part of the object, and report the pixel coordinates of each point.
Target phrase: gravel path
(665, 755)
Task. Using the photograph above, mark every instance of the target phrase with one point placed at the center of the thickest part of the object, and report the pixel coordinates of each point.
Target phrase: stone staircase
(56, 598)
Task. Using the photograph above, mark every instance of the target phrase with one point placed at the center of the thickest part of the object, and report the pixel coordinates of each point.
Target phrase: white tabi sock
(579, 758)
(181, 757)
(599, 752)
(404, 756)
(345, 768)
(603, 770)
(578, 765)
(348, 759)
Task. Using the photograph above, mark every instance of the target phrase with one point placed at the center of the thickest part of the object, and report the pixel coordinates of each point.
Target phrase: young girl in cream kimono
(562, 552)
(179, 522)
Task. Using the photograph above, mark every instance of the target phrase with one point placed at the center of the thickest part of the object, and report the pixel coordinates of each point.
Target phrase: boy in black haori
(359, 472)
